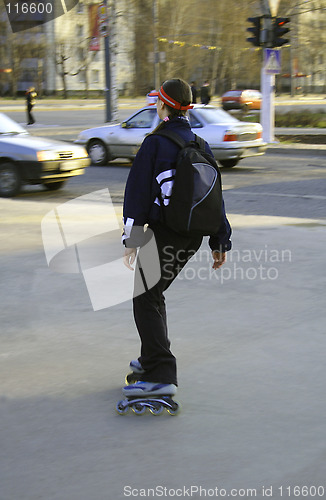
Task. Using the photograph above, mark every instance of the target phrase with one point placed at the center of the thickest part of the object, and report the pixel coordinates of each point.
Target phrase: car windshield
(233, 93)
(143, 119)
(214, 115)
(9, 126)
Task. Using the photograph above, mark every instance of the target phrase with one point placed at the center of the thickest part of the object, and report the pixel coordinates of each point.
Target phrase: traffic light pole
(267, 31)
(267, 113)
(267, 87)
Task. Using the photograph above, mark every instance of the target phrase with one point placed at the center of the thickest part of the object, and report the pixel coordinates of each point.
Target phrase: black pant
(30, 117)
(149, 308)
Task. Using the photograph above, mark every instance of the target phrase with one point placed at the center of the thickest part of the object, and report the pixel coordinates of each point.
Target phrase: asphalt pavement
(250, 343)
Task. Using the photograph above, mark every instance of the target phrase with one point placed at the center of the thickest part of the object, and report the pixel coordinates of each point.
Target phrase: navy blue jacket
(155, 162)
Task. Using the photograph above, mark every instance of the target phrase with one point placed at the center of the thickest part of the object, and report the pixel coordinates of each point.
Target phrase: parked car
(245, 100)
(25, 158)
(230, 139)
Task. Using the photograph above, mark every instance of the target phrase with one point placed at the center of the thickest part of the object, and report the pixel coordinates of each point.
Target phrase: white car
(26, 159)
(230, 139)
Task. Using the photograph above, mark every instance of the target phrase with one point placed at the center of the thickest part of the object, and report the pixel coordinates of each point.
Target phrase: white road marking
(285, 195)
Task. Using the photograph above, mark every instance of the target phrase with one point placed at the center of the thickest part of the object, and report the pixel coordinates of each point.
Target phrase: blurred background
(152, 40)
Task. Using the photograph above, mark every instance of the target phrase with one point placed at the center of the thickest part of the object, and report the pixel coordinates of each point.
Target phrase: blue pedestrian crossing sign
(272, 61)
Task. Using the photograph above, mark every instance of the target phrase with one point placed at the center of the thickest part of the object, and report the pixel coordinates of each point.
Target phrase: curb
(297, 152)
(297, 149)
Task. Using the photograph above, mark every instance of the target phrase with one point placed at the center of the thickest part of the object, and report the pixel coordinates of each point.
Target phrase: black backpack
(195, 204)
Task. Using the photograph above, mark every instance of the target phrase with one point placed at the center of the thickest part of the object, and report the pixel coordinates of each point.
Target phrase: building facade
(66, 55)
(76, 54)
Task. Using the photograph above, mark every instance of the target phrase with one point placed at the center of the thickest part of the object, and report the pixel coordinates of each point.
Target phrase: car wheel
(54, 186)
(98, 152)
(10, 180)
(228, 163)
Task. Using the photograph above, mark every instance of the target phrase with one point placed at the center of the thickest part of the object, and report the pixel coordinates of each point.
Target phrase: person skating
(151, 176)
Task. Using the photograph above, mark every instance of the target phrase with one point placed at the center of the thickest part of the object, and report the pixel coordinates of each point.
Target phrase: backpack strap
(174, 136)
(177, 139)
(201, 143)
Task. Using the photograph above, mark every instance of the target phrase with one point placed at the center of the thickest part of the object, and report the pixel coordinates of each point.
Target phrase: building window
(80, 54)
(82, 76)
(80, 8)
(95, 76)
(95, 56)
(80, 30)
(3, 29)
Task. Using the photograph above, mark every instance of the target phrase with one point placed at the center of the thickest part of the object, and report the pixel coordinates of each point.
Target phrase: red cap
(163, 96)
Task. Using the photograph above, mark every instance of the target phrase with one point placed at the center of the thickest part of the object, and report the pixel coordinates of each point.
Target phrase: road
(250, 343)
(273, 184)
(49, 112)
(63, 120)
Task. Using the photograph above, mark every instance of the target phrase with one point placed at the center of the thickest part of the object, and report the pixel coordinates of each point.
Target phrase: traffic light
(279, 30)
(255, 30)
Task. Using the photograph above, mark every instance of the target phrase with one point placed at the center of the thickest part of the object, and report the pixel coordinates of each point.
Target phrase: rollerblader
(153, 381)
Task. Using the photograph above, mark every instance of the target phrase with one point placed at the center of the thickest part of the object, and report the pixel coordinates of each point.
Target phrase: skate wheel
(121, 408)
(138, 409)
(156, 409)
(174, 410)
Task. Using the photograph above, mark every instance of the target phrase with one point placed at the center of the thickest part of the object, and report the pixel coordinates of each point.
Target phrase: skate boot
(136, 372)
(154, 396)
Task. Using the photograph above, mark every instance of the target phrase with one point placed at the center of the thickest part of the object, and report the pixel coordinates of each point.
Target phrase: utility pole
(155, 46)
(294, 49)
(107, 62)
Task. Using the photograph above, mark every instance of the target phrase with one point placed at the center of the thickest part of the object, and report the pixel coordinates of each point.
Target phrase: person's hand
(129, 257)
(219, 258)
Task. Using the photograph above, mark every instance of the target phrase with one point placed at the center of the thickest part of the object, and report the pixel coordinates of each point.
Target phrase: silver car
(34, 160)
(230, 139)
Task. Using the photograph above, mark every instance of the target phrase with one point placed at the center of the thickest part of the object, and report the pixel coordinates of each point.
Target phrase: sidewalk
(250, 345)
(48, 104)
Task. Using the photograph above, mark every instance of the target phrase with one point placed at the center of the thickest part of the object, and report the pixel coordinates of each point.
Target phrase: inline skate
(147, 395)
(136, 372)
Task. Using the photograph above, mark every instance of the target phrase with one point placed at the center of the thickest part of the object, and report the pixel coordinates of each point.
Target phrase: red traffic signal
(279, 30)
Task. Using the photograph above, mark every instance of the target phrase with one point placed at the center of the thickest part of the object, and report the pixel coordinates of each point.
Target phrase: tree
(200, 41)
(305, 55)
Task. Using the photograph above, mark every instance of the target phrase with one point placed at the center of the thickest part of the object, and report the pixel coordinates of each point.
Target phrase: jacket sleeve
(138, 197)
(221, 240)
